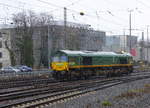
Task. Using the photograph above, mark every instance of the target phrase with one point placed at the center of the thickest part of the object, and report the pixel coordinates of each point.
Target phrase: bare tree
(24, 26)
(52, 37)
(44, 22)
(73, 41)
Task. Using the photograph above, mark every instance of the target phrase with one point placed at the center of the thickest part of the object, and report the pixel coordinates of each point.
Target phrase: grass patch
(129, 95)
(147, 85)
(88, 105)
(98, 101)
(106, 103)
(135, 92)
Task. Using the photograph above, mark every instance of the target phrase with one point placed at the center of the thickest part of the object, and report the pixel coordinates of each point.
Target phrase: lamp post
(130, 29)
(147, 43)
(49, 43)
(65, 26)
(130, 22)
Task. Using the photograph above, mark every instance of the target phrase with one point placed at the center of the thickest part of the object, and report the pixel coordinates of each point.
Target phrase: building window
(0, 54)
(1, 65)
(0, 34)
(0, 44)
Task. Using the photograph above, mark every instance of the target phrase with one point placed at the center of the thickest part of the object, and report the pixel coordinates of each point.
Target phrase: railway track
(22, 83)
(49, 96)
(37, 84)
(53, 87)
(31, 82)
(72, 88)
(58, 98)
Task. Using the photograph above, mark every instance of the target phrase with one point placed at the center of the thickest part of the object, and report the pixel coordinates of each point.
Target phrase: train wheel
(108, 75)
(69, 75)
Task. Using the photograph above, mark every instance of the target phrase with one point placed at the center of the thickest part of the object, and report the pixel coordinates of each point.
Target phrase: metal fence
(24, 75)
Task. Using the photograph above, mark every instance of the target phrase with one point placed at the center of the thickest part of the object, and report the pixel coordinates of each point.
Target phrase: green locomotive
(67, 64)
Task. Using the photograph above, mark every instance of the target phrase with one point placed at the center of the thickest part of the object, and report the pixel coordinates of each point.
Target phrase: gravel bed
(108, 98)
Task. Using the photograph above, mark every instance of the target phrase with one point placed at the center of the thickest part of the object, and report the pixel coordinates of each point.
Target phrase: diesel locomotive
(67, 64)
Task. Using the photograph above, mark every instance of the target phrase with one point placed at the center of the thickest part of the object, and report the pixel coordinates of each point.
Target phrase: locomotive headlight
(62, 72)
(71, 63)
(59, 64)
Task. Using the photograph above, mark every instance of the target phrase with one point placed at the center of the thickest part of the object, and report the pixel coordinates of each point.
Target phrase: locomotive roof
(92, 53)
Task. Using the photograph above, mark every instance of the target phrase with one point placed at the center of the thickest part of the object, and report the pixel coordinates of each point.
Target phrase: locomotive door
(87, 61)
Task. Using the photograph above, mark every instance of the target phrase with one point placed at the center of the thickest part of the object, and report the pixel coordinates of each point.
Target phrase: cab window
(56, 59)
(63, 58)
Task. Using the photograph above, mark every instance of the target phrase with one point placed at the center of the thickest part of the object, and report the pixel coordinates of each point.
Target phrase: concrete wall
(5, 59)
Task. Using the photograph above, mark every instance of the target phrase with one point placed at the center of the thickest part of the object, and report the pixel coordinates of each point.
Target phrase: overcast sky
(111, 16)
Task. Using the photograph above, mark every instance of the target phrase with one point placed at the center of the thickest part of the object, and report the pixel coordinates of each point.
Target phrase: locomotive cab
(59, 63)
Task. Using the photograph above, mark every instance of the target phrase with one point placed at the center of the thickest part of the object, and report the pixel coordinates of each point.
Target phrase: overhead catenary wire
(94, 16)
(73, 3)
(8, 5)
(77, 12)
(68, 9)
(110, 12)
(48, 3)
(35, 5)
(144, 4)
